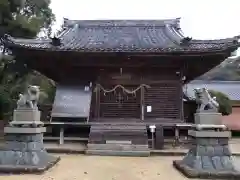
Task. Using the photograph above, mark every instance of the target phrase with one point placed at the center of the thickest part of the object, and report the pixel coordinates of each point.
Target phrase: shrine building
(120, 72)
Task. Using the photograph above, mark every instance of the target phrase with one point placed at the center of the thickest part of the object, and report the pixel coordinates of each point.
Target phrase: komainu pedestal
(209, 156)
(208, 118)
(26, 117)
(24, 150)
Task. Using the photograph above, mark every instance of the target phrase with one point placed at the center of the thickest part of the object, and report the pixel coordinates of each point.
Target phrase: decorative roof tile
(124, 36)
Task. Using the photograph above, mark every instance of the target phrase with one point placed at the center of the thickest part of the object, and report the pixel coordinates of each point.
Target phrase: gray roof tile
(124, 36)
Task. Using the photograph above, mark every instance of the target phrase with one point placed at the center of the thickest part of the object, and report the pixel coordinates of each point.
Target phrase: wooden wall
(165, 100)
(164, 95)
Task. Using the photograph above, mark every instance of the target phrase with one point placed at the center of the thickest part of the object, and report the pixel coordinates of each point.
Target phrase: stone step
(118, 153)
(99, 135)
(100, 132)
(132, 133)
(119, 147)
(119, 137)
(118, 127)
(125, 140)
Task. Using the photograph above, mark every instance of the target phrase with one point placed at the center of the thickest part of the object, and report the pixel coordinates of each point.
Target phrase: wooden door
(119, 103)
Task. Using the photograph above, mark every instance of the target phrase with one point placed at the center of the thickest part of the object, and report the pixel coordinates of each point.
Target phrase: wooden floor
(150, 122)
(176, 127)
(136, 120)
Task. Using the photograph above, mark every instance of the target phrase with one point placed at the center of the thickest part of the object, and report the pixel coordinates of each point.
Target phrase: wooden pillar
(142, 104)
(177, 135)
(97, 102)
(181, 103)
(61, 138)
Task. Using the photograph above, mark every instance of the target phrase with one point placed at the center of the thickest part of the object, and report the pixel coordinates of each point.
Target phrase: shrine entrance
(120, 101)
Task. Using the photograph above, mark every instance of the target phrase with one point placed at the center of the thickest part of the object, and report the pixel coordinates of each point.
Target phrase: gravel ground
(82, 167)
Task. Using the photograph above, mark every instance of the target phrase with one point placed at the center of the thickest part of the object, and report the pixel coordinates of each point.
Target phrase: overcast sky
(200, 19)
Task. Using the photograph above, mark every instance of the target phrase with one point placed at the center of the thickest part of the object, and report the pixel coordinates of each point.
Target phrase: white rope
(122, 87)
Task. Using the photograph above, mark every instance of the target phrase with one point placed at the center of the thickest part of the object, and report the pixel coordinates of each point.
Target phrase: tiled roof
(124, 36)
(230, 88)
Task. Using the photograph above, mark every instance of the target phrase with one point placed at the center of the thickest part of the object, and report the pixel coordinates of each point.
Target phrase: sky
(200, 19)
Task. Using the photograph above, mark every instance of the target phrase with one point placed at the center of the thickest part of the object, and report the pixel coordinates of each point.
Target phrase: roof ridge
(115, 23)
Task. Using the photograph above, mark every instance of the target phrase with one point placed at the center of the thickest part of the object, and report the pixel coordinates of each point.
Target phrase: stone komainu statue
(29, 99)
(205, 102)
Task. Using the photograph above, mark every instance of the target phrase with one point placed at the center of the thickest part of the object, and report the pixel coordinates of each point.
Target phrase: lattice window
(120, 104)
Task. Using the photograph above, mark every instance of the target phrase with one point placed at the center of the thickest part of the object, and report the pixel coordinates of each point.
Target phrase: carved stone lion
(29, 99)
(205, 101)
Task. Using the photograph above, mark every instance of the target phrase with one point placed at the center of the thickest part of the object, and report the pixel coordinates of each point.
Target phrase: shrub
(5, 105)
(225, 105)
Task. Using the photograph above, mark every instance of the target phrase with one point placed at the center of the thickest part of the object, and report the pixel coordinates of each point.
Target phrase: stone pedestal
(24, 150)
(208, 118)
(26, 117)
(209, 157)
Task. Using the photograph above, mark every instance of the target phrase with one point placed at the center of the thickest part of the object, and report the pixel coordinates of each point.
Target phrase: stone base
(14, 168)
(24, 153)
(208, 158)
(208, 134)
(26, 124)
(208, 118)
(26, 115)
(24, 130)
(193, 173)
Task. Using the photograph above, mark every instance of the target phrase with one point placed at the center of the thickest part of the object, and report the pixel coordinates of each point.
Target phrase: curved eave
(200, 66)
(153, 51)
(193, 47)
(207, 59)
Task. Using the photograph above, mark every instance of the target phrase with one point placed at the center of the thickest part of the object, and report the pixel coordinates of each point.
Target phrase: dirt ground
(80, 167)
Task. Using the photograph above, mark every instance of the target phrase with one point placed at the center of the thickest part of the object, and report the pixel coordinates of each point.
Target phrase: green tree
(229, 70)
(25, 19)
(225, 106)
